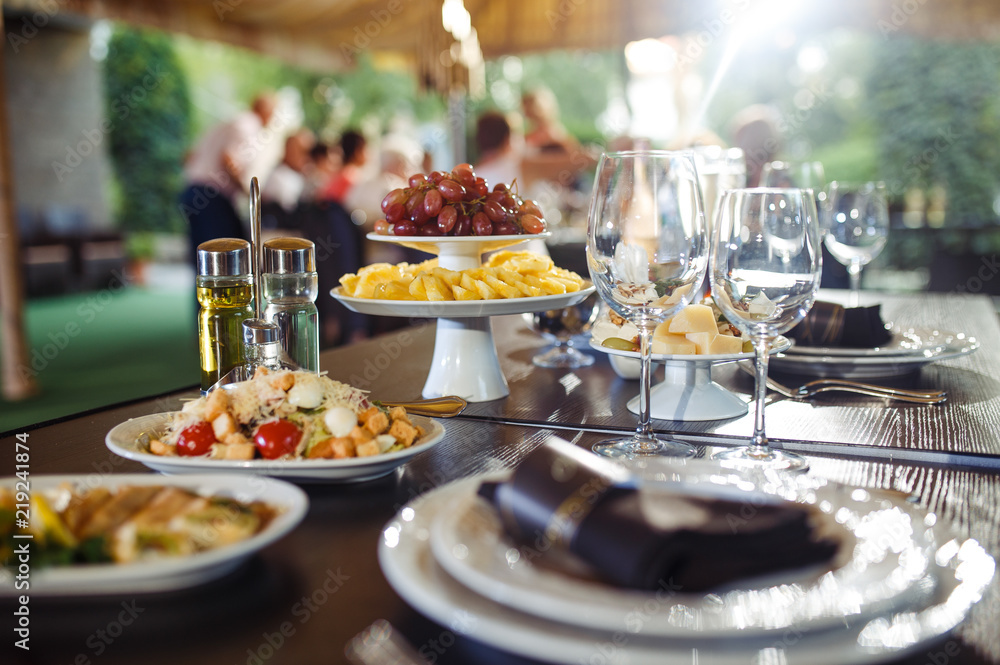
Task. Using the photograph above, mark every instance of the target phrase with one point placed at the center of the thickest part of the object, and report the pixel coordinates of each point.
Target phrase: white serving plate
(908, 342)
(964, 571)
(166, 573)
(687, 392)
(129, 440)
(461, 308)
(947, 345)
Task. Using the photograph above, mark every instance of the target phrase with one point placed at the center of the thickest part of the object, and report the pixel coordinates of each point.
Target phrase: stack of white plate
(907, 351)
(899, 581)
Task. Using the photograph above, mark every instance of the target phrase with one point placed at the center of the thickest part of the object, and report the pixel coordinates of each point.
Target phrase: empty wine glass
(856, 227)
(647, 252)
(765, 270)
(561, 326)
(799, 175)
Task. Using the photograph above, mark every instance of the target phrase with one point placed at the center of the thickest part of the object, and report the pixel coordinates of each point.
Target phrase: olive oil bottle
(225, 293)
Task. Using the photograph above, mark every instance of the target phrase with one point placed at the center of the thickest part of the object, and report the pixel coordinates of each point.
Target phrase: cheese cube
(675, 345)
(693, 319)
(712, 343)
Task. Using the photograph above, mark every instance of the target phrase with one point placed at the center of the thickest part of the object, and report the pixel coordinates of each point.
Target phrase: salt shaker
(290, 289)
(225, 292)
(262, 348)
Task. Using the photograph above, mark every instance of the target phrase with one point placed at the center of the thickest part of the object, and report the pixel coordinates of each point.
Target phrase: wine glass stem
(758, 444)
(854, 272)
(644, 431)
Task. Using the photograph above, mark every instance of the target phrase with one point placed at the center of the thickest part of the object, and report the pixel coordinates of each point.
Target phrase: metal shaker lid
(289, 255)
(259, 331)
(224, 256)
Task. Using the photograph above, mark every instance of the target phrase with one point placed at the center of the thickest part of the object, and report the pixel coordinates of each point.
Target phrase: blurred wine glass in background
(560, 326)
(856, 227)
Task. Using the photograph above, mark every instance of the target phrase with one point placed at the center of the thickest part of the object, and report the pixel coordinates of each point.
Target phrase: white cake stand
(465, 361)
(687, 392)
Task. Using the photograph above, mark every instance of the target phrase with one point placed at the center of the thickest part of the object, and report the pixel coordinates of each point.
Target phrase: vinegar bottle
(290, 289)
(225, 292)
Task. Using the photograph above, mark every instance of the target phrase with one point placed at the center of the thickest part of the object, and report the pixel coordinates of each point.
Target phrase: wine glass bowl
(766, 262)
(560, 326)
(856, 226)
(647, 252)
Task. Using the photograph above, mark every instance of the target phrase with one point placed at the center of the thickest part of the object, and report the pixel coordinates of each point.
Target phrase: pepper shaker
(290, 288)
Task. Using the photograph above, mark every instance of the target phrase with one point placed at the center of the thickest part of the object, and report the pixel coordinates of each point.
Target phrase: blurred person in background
(756, 131)
(399, 158)
(216, 173)
(547, 132)
(285, 185)
(354, 153)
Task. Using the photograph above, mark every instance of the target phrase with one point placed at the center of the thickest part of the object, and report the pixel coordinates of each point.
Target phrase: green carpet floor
(90, 350)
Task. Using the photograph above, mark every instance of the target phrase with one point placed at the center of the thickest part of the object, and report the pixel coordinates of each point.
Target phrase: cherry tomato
(276, 438)
(196, 439)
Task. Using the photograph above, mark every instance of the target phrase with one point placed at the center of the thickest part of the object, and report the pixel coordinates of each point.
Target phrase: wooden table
(322, 584)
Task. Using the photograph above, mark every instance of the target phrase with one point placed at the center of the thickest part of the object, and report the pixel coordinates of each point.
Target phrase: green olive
(619, 344)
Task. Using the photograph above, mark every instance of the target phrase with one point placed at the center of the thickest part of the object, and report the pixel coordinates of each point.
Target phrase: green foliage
(936, 106)
(146, 104)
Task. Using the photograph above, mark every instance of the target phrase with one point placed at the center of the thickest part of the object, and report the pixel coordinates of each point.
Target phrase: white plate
(168, 572)
(873, 574)
(129, 440)
(409, 566)
(909, 342)
(460, 308)
(952, 345)
(780, 344)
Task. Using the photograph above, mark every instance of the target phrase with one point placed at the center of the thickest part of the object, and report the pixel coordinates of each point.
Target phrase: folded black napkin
(562, 498)
(830, 324)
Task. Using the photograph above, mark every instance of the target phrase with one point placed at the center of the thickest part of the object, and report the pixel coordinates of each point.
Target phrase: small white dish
(165, 573)
(687, 392)
(130, 438)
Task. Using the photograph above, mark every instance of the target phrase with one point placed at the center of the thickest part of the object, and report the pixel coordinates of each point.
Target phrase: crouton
(398, 413)
(234, 451)
(368, 449)
(235, 438)
(360, 435)
(157, 447)
(335, 447)
(223, 425)
(404, 432)
(374, 420)
(216, 404)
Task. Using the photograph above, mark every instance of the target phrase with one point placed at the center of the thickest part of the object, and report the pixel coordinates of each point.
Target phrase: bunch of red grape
(457, 204)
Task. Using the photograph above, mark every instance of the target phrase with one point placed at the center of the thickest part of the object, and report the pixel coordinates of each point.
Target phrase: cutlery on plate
(381, 644)
(827, 385)
(436, 407)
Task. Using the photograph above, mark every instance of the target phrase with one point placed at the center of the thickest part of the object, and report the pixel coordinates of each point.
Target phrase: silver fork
(826, 385)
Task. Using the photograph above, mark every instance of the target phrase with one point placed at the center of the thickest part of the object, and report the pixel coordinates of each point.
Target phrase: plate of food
(506, 283)
(290, 424)
(138, 533)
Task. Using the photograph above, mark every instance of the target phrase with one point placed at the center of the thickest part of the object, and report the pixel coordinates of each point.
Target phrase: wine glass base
(634, 448)
(563, 357)
(743, 458)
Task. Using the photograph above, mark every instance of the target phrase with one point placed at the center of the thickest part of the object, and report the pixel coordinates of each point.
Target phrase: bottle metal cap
(224, 256)
(289, 255)
(259, 331)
